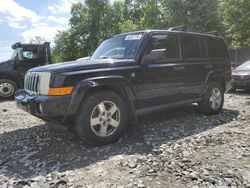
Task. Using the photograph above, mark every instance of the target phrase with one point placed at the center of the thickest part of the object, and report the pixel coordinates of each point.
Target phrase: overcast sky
(21, 20)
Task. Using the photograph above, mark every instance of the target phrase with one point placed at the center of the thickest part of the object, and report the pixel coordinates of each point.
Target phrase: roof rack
(212, 32)
(184, 28)
(178, 28)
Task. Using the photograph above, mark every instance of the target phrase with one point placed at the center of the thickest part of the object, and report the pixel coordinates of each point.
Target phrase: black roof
(20, 45)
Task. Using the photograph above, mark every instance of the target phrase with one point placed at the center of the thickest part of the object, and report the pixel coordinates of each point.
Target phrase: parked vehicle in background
(241, 77)
(24, 57)
(129, 75)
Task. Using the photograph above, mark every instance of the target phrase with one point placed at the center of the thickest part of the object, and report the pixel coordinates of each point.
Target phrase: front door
(29, 58)
(160, 79)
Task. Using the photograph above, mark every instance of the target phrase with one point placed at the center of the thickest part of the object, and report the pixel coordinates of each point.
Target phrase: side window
(30, 53)
(216, 48)
(191, 47)
(168, 43)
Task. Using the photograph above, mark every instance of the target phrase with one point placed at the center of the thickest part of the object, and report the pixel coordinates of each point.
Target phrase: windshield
(14, 54)
(122, 47)
(244, 66)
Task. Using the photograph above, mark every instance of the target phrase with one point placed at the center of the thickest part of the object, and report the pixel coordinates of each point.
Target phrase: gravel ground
(174, 148)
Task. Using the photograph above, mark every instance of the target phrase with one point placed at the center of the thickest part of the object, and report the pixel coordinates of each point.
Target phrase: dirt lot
(174, 148)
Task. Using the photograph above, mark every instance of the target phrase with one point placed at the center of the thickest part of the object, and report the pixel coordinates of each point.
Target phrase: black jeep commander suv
(129, 75)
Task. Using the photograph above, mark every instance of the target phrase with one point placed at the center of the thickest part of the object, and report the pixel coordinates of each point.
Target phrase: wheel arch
(11, 76)
(216, 76)
(116, 84)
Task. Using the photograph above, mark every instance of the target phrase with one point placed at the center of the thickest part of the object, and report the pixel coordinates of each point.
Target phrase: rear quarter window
(216, 48)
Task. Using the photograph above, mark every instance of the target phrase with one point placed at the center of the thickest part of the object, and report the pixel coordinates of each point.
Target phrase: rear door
(196, 62)
(218, 56)
(160, 81)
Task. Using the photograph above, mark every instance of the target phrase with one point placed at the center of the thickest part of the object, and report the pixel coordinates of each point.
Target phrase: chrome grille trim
(32, 82)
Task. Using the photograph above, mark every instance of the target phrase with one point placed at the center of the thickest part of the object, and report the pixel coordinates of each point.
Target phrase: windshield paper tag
(133, 37)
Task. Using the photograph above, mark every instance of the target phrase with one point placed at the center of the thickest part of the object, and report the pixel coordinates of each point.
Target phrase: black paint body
(144, 86)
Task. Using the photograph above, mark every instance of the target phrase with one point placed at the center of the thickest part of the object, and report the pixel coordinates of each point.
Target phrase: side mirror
(156, 55)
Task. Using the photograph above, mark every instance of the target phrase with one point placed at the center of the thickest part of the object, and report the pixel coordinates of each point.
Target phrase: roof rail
(212, 33)
(178, 28)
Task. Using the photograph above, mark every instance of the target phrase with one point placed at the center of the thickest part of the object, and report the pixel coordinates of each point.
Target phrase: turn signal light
(60, 91)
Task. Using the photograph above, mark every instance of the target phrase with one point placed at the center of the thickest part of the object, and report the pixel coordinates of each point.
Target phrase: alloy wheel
(216, 98)
(105, 118)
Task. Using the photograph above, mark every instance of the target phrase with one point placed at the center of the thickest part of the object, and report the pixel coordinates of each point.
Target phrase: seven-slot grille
(32, 82)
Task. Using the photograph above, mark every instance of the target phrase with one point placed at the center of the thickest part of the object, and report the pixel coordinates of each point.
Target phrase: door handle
(179, 68)
(209, 66)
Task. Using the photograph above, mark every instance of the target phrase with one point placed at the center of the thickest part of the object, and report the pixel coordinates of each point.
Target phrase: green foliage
(237, 22)
(96, 20)
(37, 40)
(195, 14)
(66, 48)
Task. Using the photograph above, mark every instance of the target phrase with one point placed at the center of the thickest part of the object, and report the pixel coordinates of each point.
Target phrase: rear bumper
(50, 108)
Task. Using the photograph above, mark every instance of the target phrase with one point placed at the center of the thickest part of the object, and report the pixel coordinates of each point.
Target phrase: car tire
(101, 119)
(213, 101)
(7, 89)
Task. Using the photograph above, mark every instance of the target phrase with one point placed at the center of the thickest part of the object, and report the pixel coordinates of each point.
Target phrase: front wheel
(102, 118)
(213, 100)
(7, 89)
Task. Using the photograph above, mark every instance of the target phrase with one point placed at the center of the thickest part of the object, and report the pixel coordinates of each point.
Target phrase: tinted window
(203, 48)
(168, 42)
(216, 48)
(191, 46)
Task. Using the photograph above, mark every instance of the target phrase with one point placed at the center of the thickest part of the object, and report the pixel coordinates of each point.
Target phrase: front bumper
(50, 108)
(240, 83)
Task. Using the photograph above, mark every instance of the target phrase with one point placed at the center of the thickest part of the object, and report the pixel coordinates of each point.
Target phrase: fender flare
(115, 82)
(215, 75)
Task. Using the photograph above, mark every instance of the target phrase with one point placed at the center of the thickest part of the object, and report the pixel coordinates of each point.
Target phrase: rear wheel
(7, 89)
(102, 118)
(213, 100)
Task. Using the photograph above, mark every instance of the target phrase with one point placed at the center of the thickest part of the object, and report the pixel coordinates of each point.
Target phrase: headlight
(44, 83)
(37, 82)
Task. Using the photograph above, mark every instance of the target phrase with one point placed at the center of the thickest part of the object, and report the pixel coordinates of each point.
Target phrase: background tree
(66, 48)
(195, 14)
(37, 40)
(93, 21)
(237, 22)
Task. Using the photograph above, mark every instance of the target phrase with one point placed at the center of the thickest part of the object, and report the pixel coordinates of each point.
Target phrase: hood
(239, 72)
(83, 65)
